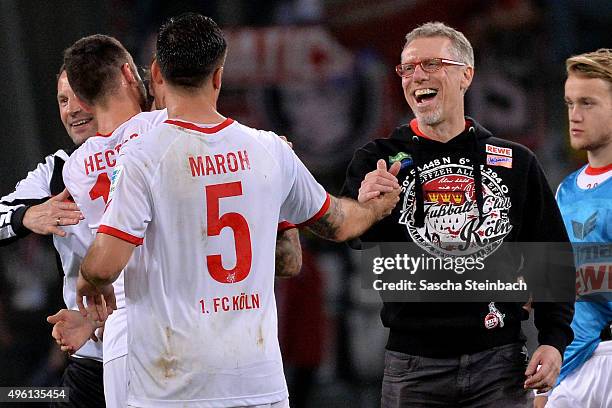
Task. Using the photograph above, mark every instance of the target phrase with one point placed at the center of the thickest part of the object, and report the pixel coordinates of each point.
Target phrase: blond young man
(585, 201)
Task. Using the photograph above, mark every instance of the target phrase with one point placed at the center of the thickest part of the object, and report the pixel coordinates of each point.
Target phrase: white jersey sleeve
(32, 190)
(129, 208)
(305, 200)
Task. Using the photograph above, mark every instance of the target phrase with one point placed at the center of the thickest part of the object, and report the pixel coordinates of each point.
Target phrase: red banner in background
(284, 56)
(301, 82)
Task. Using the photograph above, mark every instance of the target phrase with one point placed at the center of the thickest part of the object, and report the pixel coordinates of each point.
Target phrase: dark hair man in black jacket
(463, 189)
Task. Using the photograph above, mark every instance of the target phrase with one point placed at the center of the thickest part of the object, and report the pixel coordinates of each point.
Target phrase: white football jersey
(87, 175)
(204, 203)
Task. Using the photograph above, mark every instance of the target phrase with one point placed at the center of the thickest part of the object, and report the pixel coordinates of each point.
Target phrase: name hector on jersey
(102, 160)
(219, 163)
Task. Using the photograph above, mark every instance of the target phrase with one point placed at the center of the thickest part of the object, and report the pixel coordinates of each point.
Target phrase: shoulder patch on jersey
(117, 171)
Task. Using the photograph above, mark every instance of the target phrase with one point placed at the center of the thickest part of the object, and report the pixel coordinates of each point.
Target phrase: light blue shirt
(587, 214)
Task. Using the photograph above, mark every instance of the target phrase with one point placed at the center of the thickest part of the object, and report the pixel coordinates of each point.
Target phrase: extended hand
(100, 299)
(379, 181)
(46, 218)
(544, 378)
(71, 330)
(380, 192)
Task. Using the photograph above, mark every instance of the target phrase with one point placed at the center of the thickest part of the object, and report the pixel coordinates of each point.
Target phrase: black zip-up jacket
(491, 170)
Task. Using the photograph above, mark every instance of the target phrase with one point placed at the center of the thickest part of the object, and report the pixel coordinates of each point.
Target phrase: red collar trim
(414, 125)
(596, 171)
(208, 131)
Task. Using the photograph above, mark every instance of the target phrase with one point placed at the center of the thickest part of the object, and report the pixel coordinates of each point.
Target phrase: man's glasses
(428, 65)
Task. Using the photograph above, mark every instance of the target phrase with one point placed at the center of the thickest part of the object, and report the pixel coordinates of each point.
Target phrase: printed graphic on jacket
(452, 226)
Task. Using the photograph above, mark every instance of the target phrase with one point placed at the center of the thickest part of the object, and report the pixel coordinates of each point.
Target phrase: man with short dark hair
(91, 67)
(202, 195)
(105, 78)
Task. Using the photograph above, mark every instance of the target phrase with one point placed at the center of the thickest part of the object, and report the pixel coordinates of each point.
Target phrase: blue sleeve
(589, 320)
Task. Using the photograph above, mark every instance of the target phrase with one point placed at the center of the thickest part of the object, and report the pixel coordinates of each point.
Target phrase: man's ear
(217, 78)
(466, 80)
(130, 76)
(156, 75)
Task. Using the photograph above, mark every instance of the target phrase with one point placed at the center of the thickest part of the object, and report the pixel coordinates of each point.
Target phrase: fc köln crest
(494, 318)
(452, 224)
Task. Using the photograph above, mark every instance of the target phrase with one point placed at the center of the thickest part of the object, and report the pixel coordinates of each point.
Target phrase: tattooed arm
(346, 218)
(288, 253)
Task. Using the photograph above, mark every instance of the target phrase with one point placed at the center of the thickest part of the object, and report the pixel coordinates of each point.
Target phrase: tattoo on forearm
(282, 254)
(288, 255)
(328, 225)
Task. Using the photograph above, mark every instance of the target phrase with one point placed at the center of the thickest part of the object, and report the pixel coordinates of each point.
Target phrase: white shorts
(115, 382)
(588, 386)
(281, 404)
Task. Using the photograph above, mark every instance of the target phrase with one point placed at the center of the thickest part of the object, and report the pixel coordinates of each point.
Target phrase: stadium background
(320, 72)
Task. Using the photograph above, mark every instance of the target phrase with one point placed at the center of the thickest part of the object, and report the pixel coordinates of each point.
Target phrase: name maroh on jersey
(219, 163)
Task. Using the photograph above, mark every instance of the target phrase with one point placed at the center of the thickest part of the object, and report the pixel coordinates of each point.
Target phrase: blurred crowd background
(320, 72)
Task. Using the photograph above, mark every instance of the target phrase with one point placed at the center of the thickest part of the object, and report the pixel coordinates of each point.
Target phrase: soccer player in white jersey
(87, 172)
(201, 194)
(104, 76)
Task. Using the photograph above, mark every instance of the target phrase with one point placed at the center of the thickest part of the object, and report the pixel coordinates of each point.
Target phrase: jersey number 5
(242, 236)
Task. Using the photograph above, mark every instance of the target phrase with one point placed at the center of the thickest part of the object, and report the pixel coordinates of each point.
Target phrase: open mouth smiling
(424, 95)
(81, 122)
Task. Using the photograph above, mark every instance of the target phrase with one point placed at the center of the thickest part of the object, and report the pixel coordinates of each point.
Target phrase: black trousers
(491, 378)
(83, 378)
